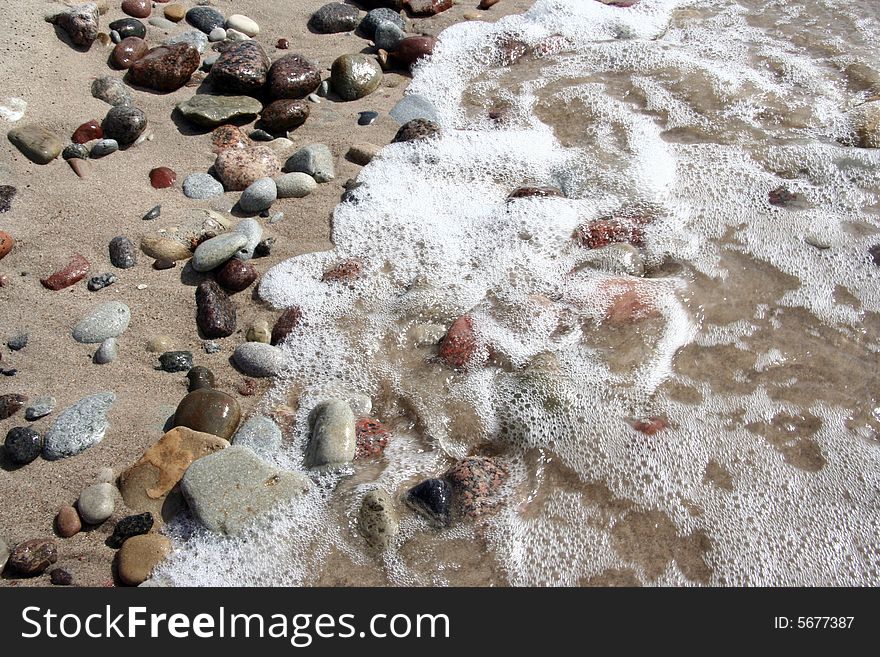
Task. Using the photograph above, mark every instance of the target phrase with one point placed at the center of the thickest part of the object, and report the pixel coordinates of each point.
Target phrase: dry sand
(56, 214)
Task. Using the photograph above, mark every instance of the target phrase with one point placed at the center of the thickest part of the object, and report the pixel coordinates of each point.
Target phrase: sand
(56, 214)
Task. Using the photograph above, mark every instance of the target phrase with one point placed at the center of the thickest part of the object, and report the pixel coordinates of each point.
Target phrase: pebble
(109, 320)
(411, 49)
(293, 76)
(201, 186)
(151, 483)
(362, 153)
(387, 35)
(215, 312)
(100, 281)
(313, 98)
(377, 17)
(236, 275)
(175, 12)
(155, 211)
(415, 130)
(81, 23)
(244, 68)
(96, 503)
(137, 8)
(211, 347)
(10, 404)
(135, 525)
(261, 135)
(282, 146)
(427, 7)
(17, 342)
(60, 577)
(78, 427)
(128, 51)
(163, 248)
(346, 271)
(371, 438)
(295, 185)
(42, 406)
(176, 361)
(75, 151)
(485, 4)
(334, 17)
(159, 344)
(105, 476)
(229, 488)
(199, 377)
(315, 160)
(111, 91)
(259, 196)
(103, 148)
(217, 34)
(367, 118)
(107, 352)
(139, 555)
(235, 35)
(259, 332)
(378, 521)
(475, 482)
(413, 106)
(283, 115)
(124, 124)
(332, 440)
(264, 248)
(251, 229)
(607, 230)
(22, 445)
(67, 522)
(213, 252)
(87, 132)
(33, 557)
(162, 23)
(193, 38)
(165, 68)
(260, 434)
(6, 244)
(210, 111)
(282, 44)
(122, 252)
(36, 143)
(243, 24)
(259, 360)
(431, 499)
(285, 324)
(205, 18)
(459, 348)
(129, 27)
(238, 168)
(73, 272)
(80, 167)
(355, 76)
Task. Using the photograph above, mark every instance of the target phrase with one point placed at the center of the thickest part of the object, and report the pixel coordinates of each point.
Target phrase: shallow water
(755, 346)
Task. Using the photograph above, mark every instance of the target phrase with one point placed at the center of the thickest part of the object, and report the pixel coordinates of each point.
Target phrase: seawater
(749, 328)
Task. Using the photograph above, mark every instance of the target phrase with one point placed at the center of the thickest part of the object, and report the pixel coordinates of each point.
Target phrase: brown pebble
(236, 275)
(175, 12)
(162, 264)
(285, 324)
(80, 167)
(60, 577)
(410, 49)
(139, 555)
(485, 4)
(162, 177)
(67, 522)
(4, 280)
(10, 404)
(128, 51)
(73, 272)
(87, 131)
(282, 44)
(33, 557)
(137, 8)
(6, 244)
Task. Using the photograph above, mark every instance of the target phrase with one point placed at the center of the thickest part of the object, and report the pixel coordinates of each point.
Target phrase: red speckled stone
(162, 177)
(285, 324)
(371, 437)
(75, 271)
(651, 425)
(475, 481)
(459, 346)
(236, 275)
(347, 271)
(88, 131)
(608, 230)
(228, 136)
(137, 8)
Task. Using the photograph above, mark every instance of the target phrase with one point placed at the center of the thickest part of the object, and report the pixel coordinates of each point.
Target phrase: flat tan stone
(139, 555)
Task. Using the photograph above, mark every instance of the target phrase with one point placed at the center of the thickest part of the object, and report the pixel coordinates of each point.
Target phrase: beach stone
(176, 361)
(128, 51)
(334, 17)
(205, 18)
(201, 186)
(235, 35)
(387, 35)
(175, 12)
(139, 555)
(244, 68)
(100, 281)
(264, 248)
(332, 442)
(251, 229)
(536, 192)
(122, 252)
(240, 167)
(129, 526)
(109, 320)
(164, 248)
(75, 152)
(43, 405)
(367, 118)
(229, 136)
(78, 427)
(217, 34)
(295, 185)
(431, 499)
(165, 68)
(60, 577)
(259, 196)
(103, 148)
(67, 522)
(209, 411)
(427, 7)
(160, 343)
(371, 437)
(87, 132)
(111, 91)
(96, 503)
(137, 8)
(215, 312)
(415, 130)
(6, 244)
(128, 27)
(243, 24)
(73, 272)
(608, 230)
(475, 483)
(81, 23)
(260, 135)
(33, 557)
(11, 403)
(413, 106)
(380, 16)
(213, 252)
(282, 44)
(378, 521)
(80, 167)
(211, 111)
(355, 76)
(151, 483)
(411, 49)
(258, 359)
(283, 115)
(22, 444)
(459, 346)
(193, 37)
(228, 489)
(293, 76)
(163, 24)
(36, 143)
(17, 342)
(346, 271)
(285, 324)
(199, 377)
(107, 352)
(259, 332)
(156, 210)
(362, 153)
(236, 275)
(316, 160)
(124, 124)
(260, 434)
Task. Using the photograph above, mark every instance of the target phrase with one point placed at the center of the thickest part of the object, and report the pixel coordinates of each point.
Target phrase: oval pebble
(109, 320)
(96, 503)
(201, 186)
